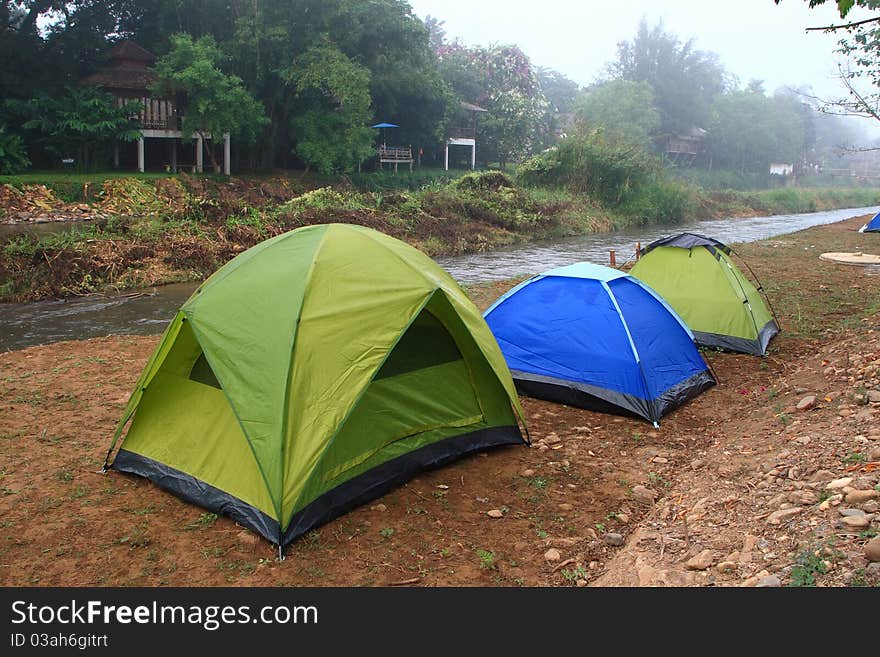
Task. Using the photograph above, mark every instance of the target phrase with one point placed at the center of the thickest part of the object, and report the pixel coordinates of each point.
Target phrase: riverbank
(748, 484)
(152, 231)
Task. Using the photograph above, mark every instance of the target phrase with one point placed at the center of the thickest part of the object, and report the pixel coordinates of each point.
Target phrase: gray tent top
(687, 241)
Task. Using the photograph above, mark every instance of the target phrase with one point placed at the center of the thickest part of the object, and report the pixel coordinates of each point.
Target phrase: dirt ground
(732, 490)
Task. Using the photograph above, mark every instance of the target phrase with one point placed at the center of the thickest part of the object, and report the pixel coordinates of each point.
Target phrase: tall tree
(216, 101)
(333, 95)
(684, 80)
(623, 108)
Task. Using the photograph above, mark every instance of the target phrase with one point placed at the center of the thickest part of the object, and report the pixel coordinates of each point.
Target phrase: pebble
(806, 403)
(495, 513)
(874, 396)
(566, 507)
(851, 512)
(752, 581)
(854, 522)
(872, 549)
(768, 581)
(614, 539)
(643, 494)
(803, 440)
(839, 483)
(860, 496)
(528, 473)
(581, 583)
(726, 567)
(777, 517)
(552, 555)
(702, 561)
(874, 454)
(378, 507)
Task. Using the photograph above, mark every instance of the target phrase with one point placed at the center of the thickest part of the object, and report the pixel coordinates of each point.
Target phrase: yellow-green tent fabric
(695, 275)
(312, 373)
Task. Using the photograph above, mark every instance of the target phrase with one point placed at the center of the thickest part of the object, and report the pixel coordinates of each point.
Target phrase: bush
(590, 163)
(13, 155)
(660, 202)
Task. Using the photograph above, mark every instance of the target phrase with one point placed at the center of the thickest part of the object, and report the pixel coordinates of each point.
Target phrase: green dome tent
(311, 373)
(695, 275)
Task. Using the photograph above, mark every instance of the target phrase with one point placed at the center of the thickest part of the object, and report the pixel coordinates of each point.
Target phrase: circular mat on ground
(857, 258)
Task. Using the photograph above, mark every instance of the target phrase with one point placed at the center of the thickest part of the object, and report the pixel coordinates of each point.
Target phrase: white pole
(446, 158)
(141, 154)
(226, 153)
(473, 156)
(199, 154)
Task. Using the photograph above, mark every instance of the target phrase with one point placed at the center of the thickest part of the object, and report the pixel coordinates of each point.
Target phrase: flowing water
(148, 312)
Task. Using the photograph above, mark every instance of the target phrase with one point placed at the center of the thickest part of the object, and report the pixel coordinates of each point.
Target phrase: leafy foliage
(333, 94)
(623, 108)
(75, 123)
(13, 155)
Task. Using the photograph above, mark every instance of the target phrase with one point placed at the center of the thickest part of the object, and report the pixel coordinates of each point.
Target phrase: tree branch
(845, 26)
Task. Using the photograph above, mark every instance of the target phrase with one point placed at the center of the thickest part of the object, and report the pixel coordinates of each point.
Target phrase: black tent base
(348, 495)
(601, 400)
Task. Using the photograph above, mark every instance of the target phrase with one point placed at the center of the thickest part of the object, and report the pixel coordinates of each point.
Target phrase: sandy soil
(731, 490)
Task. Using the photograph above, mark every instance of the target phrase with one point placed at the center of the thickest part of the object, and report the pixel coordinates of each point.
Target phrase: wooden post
(638, 250)
(613, 258)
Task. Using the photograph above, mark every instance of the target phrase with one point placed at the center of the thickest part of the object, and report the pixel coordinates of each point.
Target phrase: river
(148, 312)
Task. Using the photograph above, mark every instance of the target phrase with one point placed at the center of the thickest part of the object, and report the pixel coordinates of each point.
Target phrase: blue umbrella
(383, 126)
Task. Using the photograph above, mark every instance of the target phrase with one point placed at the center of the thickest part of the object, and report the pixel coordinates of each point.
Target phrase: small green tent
(311, 373)
(695, 275)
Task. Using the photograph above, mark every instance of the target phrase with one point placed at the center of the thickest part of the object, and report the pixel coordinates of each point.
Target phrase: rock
(552, 555)
(614, 539)
(777, 517)
(874, 396)
(874, 454)
(851, 512)
(528, 473)
(622, 517)
(581, 583)
(552, 439)
(803, 440)
(768, 581)
(566, 507)
(752, 581)
(702, 561)
(806, 403)
(806, 497)
(643, 494)
(821, 475)
(726, 567)
(378, 507)
(854, 522)
(495, 513)
(860, 496)
(839, 483)
(872, 549)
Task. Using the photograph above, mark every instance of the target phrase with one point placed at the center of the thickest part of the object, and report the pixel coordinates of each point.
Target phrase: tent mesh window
(201, 372)
(426, 343)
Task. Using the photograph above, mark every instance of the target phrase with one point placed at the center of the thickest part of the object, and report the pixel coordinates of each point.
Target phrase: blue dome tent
(872, 226)
(596, 338)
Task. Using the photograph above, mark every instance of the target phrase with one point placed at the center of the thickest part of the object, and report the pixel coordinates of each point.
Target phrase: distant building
(683, 148)
(128, 76)
(464, 134)
(781, 169)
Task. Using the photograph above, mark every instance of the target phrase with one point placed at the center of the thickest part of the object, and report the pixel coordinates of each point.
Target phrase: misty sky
(754, 38)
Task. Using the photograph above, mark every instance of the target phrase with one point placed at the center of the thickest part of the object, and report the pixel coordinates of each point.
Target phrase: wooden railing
(395, 154)
(153, 113)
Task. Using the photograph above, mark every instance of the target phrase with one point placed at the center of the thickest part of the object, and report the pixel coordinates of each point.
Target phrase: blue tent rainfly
(593, 337)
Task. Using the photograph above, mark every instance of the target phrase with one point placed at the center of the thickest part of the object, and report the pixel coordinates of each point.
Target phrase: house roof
(473, 108)
(128, 68)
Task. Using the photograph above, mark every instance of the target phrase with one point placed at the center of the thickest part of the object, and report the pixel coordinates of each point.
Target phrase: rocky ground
(771, 478)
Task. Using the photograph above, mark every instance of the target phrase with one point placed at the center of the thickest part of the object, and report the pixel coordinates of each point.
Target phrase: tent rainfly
(873, 226)
(593, 337)
(696, 276)
(312, 373)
